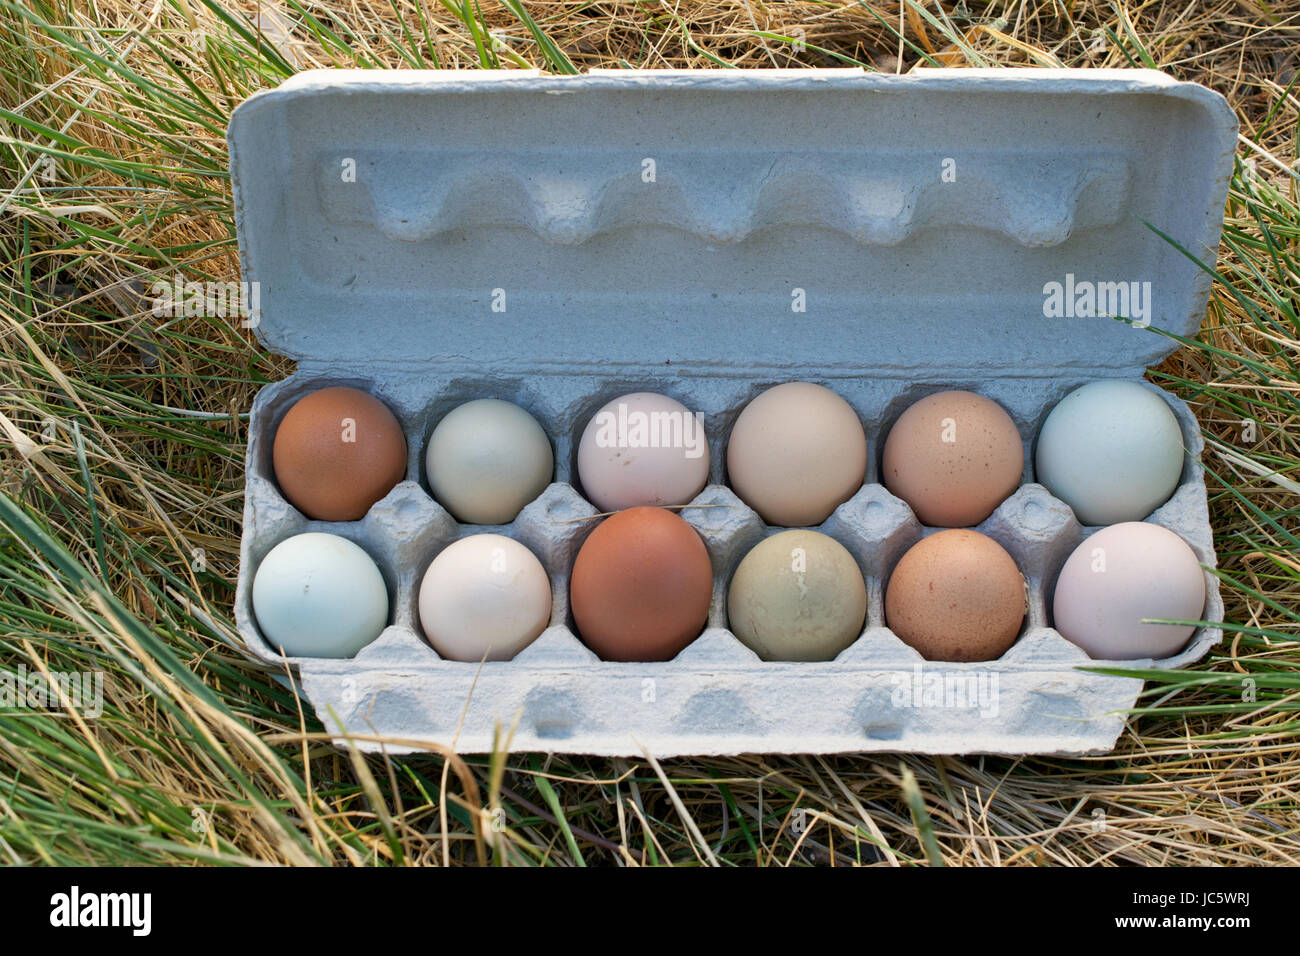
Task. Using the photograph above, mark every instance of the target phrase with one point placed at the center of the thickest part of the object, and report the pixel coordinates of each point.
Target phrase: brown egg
(953, 457)
(338, 451)
(641, 586)
(956, 596)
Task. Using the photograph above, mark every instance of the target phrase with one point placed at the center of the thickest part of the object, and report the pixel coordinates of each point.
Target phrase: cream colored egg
(486, 460)
(484, 597)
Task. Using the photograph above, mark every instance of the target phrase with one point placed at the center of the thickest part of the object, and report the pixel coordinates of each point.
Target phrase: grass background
(121, 469)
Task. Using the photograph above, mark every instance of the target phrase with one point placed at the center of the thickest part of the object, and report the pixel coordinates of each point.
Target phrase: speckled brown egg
(956, 596)
(953, 457)
(336, 452)
(641, 586)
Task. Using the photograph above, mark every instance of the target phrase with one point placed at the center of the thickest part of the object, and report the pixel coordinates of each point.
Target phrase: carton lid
(939, 221)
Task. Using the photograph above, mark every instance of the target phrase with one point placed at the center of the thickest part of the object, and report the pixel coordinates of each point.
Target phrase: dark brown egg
(338, 451)
(956, 596)
(641, 586)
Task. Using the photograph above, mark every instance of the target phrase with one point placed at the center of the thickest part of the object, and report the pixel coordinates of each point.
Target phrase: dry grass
(123, 505)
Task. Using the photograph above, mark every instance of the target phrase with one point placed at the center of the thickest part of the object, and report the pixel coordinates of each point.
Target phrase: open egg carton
(436, 237)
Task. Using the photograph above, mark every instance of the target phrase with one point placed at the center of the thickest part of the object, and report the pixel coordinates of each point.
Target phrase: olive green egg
(797, 596)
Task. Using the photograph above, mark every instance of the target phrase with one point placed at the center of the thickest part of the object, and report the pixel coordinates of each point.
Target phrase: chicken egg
(486, 460)
(1120, 576)
(1112, 451)
(643, 449)
(485, 596)
(336, 452)
(797, 596)
(956, 595)
(953, 457)
(796, 453)
(641, 586)
(319, 595)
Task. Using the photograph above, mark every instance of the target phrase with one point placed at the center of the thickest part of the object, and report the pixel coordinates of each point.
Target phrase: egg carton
(688, 291)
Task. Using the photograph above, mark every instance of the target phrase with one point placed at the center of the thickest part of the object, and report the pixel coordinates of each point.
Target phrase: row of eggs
(642, 583)
(1112, 450)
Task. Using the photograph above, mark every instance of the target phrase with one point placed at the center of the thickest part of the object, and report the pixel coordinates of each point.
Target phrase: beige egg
(796, 453)
(956, 596)
(797, 596)
(953, 457)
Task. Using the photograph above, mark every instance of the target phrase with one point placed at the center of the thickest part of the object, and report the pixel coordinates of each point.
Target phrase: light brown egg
(641, 586)
(953, 457)
(796, 453)
(956, 596)
(336, 452)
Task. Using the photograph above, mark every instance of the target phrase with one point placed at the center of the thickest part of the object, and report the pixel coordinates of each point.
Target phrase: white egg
(486, 460)
(1120, 576)
(643, 449)
(485, 595)
(319, 595)
(1112, 451)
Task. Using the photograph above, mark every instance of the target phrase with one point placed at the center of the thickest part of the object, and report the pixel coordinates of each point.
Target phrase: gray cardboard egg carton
(476, 190)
